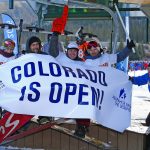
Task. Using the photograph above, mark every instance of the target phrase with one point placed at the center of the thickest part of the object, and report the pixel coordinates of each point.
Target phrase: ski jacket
(5, 57)
(141, 80)
(46, 46)
(60, 56)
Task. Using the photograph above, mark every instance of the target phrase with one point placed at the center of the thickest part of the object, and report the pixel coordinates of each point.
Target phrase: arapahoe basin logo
(120, 100)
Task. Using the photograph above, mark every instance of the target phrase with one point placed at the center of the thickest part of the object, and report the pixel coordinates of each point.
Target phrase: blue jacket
(141, 80)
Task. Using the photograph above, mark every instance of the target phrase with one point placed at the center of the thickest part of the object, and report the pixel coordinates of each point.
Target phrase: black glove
(56, 33)
(131, 78)
(130, 44)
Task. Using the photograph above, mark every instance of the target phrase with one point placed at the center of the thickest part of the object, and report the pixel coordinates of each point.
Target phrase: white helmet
(72, 45)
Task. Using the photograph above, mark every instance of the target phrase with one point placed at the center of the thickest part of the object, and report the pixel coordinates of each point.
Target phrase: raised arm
(140, 80)
(126, 51)
(53, 45)
(58, 27)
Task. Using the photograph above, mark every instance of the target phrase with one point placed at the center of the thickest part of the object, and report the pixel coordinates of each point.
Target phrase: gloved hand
(148, 69)
(130, 44)
(130, 78)
(59, 24)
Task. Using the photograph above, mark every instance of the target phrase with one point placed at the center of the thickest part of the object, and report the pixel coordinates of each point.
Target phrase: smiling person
(6, 53)
(33, 45)
(71, 56)
(97, 57)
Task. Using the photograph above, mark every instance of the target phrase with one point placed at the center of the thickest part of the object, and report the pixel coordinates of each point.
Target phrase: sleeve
(141, 80)
(112, 58)
(123, 54)
(53, 45)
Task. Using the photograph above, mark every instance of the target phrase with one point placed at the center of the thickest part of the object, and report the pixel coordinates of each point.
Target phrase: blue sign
(10, 33)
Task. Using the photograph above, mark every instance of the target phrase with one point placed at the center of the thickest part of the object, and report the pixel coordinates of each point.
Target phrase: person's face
(35, 47)
(72, 53)
(9, 50)
(93, 51)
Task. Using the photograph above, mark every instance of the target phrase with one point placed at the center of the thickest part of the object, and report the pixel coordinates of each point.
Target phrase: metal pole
(147, 30)
(127, 37)
(11, 4)
(127, 34)
(20, 31)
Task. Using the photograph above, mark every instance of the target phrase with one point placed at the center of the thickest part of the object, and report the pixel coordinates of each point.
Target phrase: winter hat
(8, 43)
(34, 39)
(72, 45)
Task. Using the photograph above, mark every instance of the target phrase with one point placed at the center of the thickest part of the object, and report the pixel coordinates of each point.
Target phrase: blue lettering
(69, 92)
(53, 90)
(41, 69)
(93, 76)
(29, 69)
(81, 94)
(13, 72)
(81, 74)
(57, 67)
(34, 90)
(69, 70)
(102, 78)
(95, 96)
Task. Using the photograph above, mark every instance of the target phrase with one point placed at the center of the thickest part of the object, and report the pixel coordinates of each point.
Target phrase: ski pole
(123, 24)
(20, 31)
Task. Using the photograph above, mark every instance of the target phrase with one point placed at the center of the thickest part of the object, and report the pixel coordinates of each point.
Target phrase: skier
(96, 56)
(143, 79)
(6, 54)
(33, 45)
(71, 56)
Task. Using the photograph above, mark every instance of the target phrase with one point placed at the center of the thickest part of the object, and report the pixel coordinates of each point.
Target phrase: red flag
(11, 123)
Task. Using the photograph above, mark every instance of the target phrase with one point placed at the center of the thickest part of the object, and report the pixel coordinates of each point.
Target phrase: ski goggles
(92, 44)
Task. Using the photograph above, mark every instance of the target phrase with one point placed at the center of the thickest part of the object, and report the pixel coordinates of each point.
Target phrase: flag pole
(127, 34)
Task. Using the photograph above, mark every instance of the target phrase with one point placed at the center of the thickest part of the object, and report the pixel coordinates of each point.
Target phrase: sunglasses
(92, 44)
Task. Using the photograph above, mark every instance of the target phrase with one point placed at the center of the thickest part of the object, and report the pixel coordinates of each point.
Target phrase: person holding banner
(71, 56)
(33, 45)
(96, 57)
(6, 54)
(46, 46)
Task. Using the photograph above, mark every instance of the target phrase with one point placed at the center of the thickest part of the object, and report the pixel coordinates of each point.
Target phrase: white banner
(39, 85)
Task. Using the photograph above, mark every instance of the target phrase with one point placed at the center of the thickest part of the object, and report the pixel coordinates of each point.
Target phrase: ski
(96, 142)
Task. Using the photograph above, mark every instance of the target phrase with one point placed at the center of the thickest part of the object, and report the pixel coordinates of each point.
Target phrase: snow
(140, 105)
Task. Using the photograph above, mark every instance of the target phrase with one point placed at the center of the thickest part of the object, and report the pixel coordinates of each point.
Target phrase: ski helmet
(8, 43)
